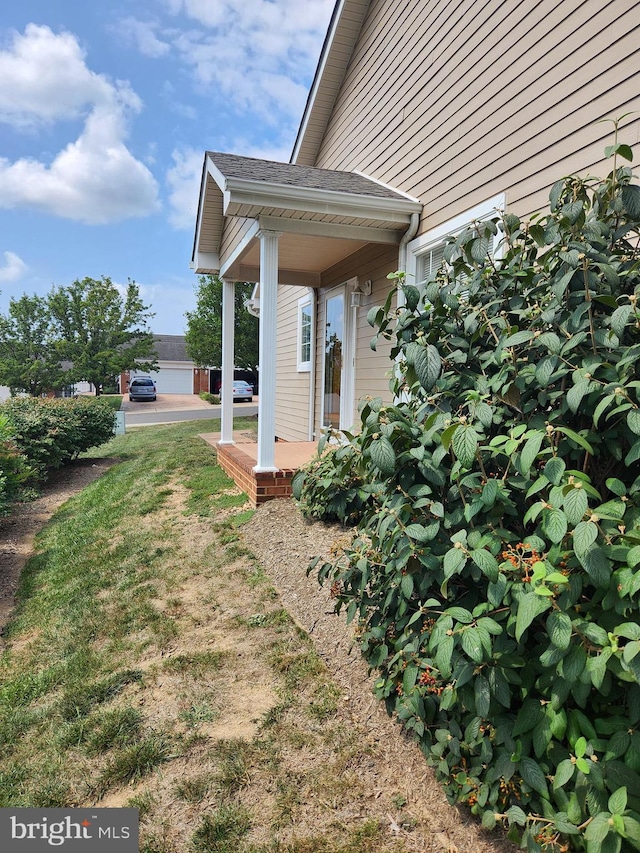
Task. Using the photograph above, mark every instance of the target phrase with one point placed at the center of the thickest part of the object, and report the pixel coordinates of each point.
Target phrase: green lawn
(150, 663)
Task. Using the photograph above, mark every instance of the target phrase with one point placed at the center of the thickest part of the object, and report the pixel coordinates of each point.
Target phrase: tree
(29, 357)
(101, 332)
(204, 326)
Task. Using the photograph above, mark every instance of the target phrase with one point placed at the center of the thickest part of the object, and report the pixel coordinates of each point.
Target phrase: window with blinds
(429, 261)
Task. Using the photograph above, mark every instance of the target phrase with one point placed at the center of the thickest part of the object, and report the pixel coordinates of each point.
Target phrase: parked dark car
(142, 388)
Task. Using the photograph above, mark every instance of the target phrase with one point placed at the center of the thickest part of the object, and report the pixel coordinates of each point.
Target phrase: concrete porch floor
(239, 459)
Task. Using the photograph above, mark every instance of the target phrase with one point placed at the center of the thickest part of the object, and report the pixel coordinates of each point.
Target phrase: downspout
(312, 376)
(409, 234)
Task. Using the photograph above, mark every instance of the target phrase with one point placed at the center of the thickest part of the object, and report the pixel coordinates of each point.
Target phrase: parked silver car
(142, 388)
(242, 391)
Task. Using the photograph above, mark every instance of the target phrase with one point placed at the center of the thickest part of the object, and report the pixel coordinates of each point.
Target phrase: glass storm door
(338, 362)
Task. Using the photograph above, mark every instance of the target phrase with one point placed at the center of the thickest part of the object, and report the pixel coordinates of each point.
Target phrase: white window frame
(304, 365)
(430, 239)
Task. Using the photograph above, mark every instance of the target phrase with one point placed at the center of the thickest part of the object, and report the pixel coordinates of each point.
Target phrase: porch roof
(323, 215)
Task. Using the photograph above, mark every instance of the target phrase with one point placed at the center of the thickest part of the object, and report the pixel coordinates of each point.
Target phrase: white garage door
(174, 380)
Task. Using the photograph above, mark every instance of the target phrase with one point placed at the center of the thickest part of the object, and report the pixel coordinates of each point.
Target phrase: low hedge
(49, 432)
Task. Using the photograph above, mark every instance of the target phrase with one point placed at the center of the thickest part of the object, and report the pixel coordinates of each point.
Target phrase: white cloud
(43, 78)
(143, 35)
(183, 180)
(94, 179)
(256, 54)
(13, 268)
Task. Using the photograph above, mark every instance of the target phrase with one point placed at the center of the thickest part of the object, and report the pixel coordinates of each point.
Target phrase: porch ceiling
(322, 215)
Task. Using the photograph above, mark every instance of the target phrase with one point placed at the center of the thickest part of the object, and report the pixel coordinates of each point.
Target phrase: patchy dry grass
(150, 663)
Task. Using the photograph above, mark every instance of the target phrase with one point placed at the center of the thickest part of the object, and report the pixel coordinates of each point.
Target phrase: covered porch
(239, 460)
(283, 224)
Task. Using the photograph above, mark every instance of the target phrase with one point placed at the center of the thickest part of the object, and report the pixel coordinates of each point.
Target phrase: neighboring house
(176, 373)
(421, 118)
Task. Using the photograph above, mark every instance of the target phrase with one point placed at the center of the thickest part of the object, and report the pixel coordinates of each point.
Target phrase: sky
(106, 110)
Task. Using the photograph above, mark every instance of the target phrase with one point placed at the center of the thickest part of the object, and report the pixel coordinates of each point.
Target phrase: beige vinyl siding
(292, 387)
(234, 231)
(455, 102)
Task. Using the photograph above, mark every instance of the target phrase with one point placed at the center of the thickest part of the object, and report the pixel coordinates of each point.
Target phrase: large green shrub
(50, 432)
(495, 573)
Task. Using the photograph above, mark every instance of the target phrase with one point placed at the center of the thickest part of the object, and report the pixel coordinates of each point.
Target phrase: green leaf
(454, 560)
(460, 614)
(406, 585)
(632, 829)
(411, 296)
(619, 319)
(584, 534)
(472, 645)
(530, 451)
(564, 772)
(551, 341)
(598, 829)
(372, 314)
(487, 563)
(596, 564)
(427, 364)
(631, 200)
(383, 455)
(628, 630)
(616, 486)
(482, 695)
(529, 607)
(555, 525)
(564, 825)
(574, 436)
(489, 820)
(576, 393)
(618, 801)
(516, 815)
(516, 339)
(554, 470)
(545, 369)
(465, 444)
(559, 628)
(534, 776)
(529, 715)
(489, 492)
(555, 194)
(576, 504)
(633, 420)
(418, 532)
(634, 453)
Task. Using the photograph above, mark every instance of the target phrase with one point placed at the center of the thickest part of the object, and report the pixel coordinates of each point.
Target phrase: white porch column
(267, 351)
(228, 359)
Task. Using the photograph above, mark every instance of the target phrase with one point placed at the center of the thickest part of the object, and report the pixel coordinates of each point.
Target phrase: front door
(338, 379)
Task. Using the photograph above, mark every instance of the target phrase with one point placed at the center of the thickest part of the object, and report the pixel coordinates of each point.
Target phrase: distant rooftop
(171, 347)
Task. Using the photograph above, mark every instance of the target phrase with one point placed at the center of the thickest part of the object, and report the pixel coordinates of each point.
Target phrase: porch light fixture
(359, 291)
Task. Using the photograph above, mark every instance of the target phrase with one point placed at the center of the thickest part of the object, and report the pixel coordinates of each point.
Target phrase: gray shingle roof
(288, 174)
(171, 347)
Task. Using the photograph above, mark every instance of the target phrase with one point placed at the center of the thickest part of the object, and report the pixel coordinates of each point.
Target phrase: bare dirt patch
(285, 542)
